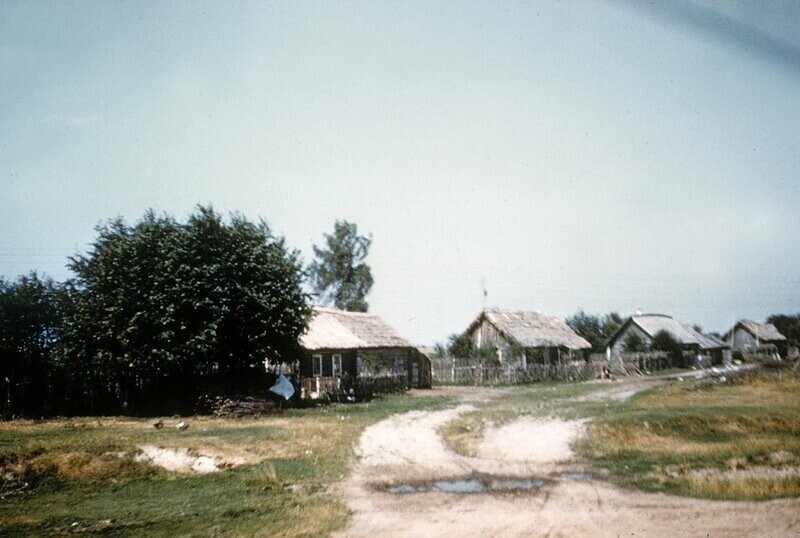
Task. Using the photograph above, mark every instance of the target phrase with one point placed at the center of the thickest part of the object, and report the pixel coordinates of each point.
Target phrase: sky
(597, 155)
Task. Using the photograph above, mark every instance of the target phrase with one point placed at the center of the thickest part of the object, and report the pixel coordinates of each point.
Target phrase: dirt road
(406, 450)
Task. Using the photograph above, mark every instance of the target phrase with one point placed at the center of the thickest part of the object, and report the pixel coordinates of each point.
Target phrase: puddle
(487, 484)
(459, 486)
(402, 488)
(481, 484)
(516, 484)
(577, 476)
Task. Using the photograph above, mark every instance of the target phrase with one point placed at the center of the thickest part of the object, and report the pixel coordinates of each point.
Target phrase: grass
(735, 440)
(79, 475)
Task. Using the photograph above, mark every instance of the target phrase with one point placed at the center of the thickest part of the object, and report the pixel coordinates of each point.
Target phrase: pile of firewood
(239, 406)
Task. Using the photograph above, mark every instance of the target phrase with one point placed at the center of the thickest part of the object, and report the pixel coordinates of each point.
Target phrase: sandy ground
(182, 460)
(406, 447)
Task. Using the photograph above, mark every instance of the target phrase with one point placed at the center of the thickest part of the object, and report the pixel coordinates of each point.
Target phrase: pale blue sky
(596, 155)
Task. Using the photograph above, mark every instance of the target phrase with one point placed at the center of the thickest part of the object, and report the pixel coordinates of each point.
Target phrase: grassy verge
(79, 475)
(734, 440)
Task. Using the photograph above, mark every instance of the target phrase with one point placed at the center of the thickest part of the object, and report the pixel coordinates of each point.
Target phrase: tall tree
(611, 323)
(160, 305)
(28, 319)
(788, 325)
(589, 327)
(339, 276)
(460, 346)
(595, 329)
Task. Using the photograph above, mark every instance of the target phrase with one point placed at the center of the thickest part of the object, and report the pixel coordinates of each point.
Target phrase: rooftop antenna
(485, 293)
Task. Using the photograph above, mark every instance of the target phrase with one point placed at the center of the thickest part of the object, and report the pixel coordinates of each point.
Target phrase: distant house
(523, 338)
(748, 335)
(646, 326)
(339, 343)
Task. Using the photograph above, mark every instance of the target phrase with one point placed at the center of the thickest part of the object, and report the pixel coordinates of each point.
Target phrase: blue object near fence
(283, 387)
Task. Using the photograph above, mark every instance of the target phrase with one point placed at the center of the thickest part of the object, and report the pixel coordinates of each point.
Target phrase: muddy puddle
(479, 484)
(485, 484)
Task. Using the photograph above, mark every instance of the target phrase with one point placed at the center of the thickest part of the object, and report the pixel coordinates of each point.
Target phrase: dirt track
(406, 448)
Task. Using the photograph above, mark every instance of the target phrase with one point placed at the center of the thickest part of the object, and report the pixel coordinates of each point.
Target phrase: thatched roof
(428, 351)
(532, 329)
(766, 332)
(652, 324)
(337, 329)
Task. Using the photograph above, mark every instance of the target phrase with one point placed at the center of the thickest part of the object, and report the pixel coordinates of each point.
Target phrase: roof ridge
(517, 311)
(342, 312)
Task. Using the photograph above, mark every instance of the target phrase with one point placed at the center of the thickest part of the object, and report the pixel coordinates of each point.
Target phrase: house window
(336, 365)
(316, 365)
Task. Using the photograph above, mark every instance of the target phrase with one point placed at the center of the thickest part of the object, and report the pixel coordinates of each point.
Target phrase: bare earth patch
(181, 460)
(540, 443)
(406, 448)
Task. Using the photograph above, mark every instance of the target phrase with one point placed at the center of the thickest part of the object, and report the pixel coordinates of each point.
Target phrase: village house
(522, 338)
(748, 335)
(339, 343)
(646, 326)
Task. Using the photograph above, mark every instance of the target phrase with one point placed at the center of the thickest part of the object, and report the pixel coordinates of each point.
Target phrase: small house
(644, 327)
(522, 338)
(339, 343)
(748, 335)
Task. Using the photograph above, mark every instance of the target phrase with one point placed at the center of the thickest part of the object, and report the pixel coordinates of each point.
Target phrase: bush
(634, 343)
(664, 341)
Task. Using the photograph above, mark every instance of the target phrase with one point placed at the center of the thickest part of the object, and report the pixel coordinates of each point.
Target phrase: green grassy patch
(734, 440)
(79, 475)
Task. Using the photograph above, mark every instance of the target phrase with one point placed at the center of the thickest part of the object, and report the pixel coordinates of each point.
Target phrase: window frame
(316, 365)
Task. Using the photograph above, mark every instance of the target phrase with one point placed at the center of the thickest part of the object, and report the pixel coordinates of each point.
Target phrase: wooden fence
(499, 375)
(631, 363)
(643, 362)
(349, 388)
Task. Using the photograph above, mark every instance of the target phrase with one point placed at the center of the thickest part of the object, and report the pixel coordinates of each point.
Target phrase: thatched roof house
(337, 329)
(746, 334)
(341, 343)
(646, 326)
(541, 338)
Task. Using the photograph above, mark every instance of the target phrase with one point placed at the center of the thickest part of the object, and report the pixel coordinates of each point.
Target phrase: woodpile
(239, 406)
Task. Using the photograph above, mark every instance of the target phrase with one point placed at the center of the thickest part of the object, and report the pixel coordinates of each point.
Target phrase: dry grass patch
(737, 440)
(742, 487)
(56, 473)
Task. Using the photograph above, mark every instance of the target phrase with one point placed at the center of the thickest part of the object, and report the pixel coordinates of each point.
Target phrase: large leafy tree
(166, 303)
(28, 319)
(460, 346)
(589, 327)
(595, 329)
(339, 276)
(788, 325)
(611, 323)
